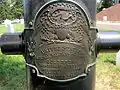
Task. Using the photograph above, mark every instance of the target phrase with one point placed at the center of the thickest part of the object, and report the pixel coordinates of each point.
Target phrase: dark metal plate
(60, 42)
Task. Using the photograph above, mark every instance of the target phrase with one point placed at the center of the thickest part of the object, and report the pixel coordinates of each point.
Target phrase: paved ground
(108, 26)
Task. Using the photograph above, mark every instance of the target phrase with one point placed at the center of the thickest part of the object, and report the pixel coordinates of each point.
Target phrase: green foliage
(98, 6)
(17, 8)
(104, 4)
(107, 3)
(108, 74)
(12, 73)
(11, 10)
(5, 11)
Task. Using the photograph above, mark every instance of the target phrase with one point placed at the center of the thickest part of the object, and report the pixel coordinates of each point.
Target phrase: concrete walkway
(108, 26)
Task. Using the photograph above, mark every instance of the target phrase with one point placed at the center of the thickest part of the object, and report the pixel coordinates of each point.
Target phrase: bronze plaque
(60, 41)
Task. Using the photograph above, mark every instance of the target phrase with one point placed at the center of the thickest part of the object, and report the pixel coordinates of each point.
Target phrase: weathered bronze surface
(61, 41)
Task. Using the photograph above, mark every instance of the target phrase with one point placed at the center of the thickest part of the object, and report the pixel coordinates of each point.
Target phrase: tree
(17, 8)
(98, 6)
(5, 11)
(11, 9)
(106, 4)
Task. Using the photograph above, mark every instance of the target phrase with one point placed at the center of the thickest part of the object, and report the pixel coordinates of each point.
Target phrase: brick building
(111, 14)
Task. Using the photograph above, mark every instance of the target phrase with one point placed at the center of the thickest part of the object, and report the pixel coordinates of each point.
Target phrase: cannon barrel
(12, 43)
(108, 42)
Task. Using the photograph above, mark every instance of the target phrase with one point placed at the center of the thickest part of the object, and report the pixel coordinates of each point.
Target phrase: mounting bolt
(33, 70)
(32, 54)
(89, 70)
(31, 24)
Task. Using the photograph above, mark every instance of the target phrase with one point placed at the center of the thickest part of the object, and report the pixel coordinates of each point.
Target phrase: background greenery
(105, 4)
(13, 75)
(12, 67)
(11, 9)
(17, 28)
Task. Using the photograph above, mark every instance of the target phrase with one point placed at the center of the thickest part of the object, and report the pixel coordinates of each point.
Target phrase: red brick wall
(112, 13)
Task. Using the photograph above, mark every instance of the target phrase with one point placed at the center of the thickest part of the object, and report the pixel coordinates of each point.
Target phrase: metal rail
(12, 43)
(108, 42)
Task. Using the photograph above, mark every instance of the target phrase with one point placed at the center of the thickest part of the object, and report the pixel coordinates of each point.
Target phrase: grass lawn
(107, 74)
(13, 76)
(12, 73)
(17, 28)
(118, 31)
